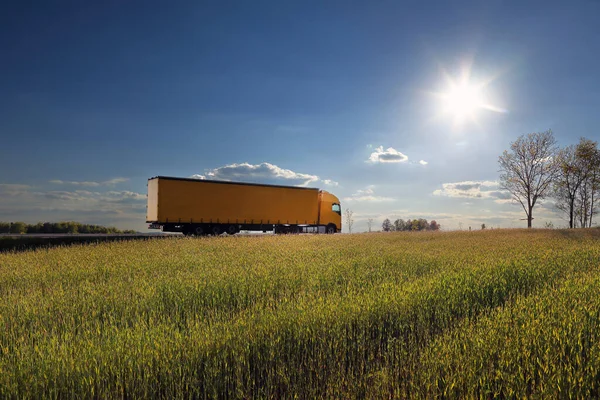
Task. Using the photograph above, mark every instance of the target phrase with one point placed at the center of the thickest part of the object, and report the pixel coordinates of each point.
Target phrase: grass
(467, 314)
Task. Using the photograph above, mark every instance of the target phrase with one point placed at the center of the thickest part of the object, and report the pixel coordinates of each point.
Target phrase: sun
(463, 101)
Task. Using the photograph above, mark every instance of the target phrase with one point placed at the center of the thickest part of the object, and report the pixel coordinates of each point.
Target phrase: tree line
(535, 168)
(401, 225)
(57, 227)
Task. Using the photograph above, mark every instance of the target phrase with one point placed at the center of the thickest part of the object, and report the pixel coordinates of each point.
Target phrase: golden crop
(467, 314)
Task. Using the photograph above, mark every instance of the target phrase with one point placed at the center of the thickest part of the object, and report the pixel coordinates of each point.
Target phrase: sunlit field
(409, 315)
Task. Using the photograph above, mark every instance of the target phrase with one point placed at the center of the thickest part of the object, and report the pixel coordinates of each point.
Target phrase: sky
(356, 98)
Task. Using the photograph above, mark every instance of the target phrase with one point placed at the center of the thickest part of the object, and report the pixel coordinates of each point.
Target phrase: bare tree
(349, 220)
(574, 189)
(370, 223)
(527, 171)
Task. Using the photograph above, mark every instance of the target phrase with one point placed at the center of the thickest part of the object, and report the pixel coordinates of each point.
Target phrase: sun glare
(464, 100)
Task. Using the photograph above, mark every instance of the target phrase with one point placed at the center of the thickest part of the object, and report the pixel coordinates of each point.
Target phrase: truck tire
(216, 230)
(231, 229)
(199, 230)
(331, 229)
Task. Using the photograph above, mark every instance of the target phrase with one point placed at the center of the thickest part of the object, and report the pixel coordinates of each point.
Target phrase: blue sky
(99, 96)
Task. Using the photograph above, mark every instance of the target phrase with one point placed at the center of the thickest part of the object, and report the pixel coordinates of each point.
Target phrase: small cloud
(474, 190)
(329, 182)
(367, 195)
(501, 194)
(390, 155)
(88, 184)
(110, 182)
(115, 181)
(9, 188)
(423, 162)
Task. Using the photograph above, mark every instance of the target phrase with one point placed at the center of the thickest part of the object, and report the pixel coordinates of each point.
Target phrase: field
(503, 313)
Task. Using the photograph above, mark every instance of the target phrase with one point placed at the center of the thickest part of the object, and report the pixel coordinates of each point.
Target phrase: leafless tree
(349, 220)
(529, 168)
(370, 223)
(577, 182)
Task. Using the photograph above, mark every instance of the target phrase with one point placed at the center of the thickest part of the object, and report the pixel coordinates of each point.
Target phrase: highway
(82, 235)
(12, 242)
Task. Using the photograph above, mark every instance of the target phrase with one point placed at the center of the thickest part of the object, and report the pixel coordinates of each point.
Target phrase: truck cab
(330, 212)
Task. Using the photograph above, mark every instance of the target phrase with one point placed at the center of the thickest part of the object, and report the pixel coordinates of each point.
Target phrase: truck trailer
(210, 207)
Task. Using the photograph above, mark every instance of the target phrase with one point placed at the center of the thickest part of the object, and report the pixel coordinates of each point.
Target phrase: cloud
(423, 162)
(12, 189)
(110, 182)
(13, 186)
(474, 190)
(367, 195)
(329, 182)
(85, 202)
(390, 155)
(262, 173)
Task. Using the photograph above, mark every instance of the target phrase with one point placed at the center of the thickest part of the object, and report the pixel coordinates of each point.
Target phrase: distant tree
(18, 227)
(4, 227)
(349, 220)
(434, 226)
(72, 227)
(482, 226)
(577, 166)
(370, 223)
(387, 225)
(399, 225)
(415, 225)
(588, 191)
(423, 225)
(528, 170)
(549, 225)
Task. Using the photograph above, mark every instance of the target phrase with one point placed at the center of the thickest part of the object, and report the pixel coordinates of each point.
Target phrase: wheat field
(503, 313)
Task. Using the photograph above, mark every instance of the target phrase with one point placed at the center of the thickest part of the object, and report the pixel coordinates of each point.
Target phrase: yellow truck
(210, 207)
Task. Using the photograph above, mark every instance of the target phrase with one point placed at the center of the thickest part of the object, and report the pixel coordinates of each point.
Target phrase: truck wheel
(199, 231)
(216, 230)
(330, 229)
(232, 229)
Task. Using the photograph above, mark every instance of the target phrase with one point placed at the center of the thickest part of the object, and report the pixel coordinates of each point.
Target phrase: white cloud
(367, 195)
(12, 190)
(390, 155)
(474, 190)
(263, 173)
(115, 181)
(423, 162)
(13, 186)
(110, 182)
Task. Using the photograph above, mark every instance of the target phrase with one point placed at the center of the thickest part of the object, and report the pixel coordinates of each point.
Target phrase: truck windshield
(336, 208)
